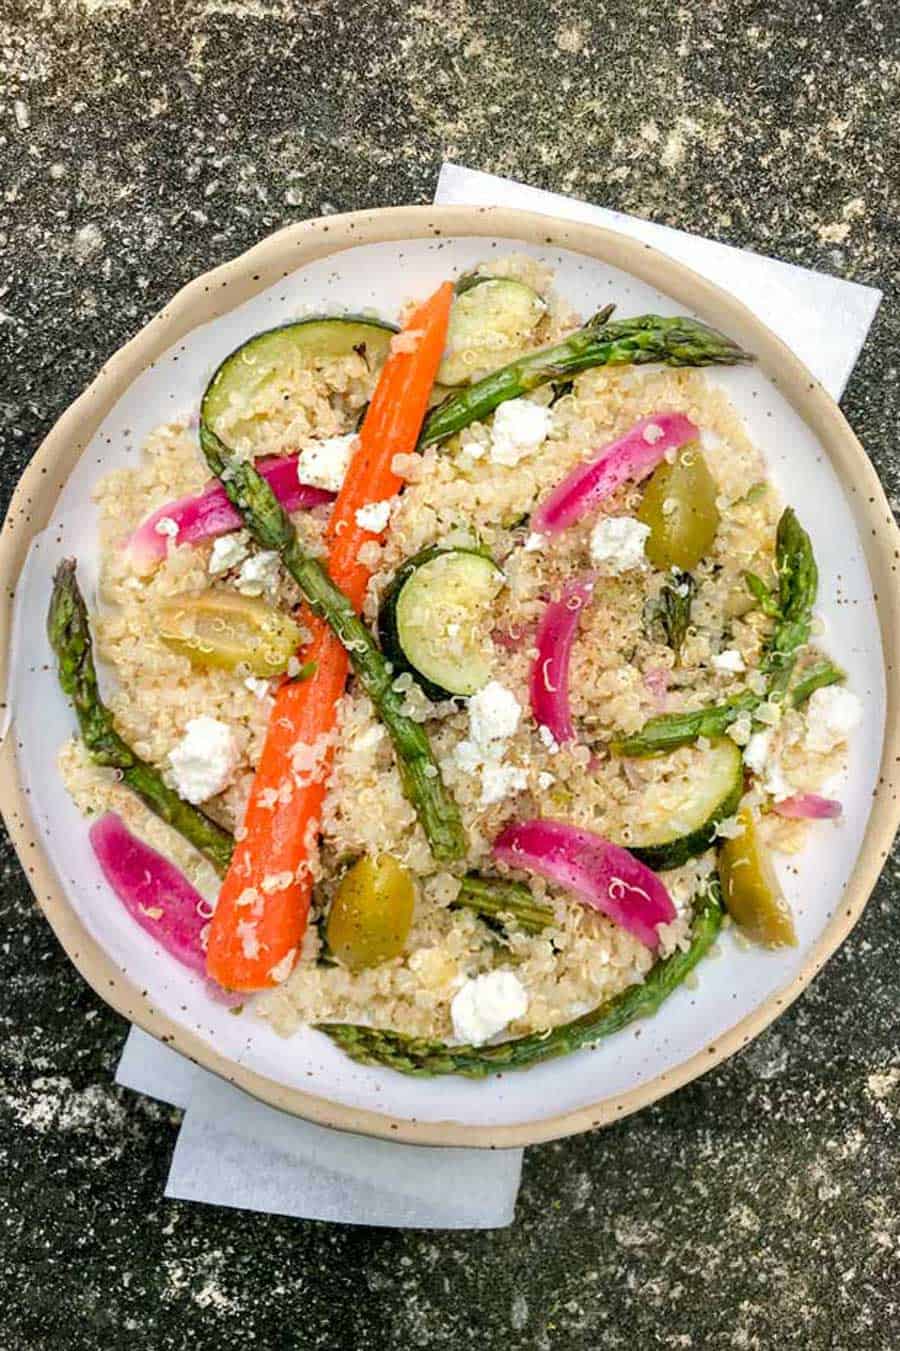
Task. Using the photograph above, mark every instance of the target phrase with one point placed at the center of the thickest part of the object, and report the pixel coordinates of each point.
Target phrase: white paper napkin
(234, 1151)
(822, 318)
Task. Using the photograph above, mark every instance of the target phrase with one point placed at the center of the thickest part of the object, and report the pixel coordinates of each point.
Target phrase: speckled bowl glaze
(379, 259)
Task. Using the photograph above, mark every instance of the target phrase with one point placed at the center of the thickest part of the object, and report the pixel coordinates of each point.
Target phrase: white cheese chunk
(548, 739)
(831, 715)
(166, 526)
(617, 544)
(259, 574)
(494, 714)
(324, 464)
(204, 760)
(519, 427)
(756, 752)
(228, 552)
(759, 758)
(729, 662)
(534, 543)
(486, 1005)
(374, 517)
(499, 781)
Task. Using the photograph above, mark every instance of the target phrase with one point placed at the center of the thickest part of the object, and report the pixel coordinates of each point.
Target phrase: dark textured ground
(141, 143)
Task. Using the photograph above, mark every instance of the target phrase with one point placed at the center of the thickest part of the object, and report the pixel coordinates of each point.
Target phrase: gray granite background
(141, 142)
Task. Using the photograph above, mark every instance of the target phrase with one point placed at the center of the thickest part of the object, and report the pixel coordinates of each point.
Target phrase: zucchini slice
(681, 812)
(491, 323)
(270, 359)
(435, 620)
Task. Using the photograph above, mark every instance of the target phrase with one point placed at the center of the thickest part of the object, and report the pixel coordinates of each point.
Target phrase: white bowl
(380, 259)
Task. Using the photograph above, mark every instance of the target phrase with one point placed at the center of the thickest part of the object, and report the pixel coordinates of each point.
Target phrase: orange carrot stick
(261, 916)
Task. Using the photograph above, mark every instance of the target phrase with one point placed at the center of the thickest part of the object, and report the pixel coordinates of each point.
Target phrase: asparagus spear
(674, 613)
(792, 608)
(815, 678)
(416, 1056)
(271, 526)
(677, 342)
(496, 898)
(798, 581)
(670, 730)
(69, 632)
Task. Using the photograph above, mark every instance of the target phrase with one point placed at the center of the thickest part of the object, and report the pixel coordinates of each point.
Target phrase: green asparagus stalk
(495, 898)
(416, 1056)
(798, 582)
(670, 730)
(677, 341)
(792, 608)
(815, 678)
(271, 527)
(675, 601)
(69, 632)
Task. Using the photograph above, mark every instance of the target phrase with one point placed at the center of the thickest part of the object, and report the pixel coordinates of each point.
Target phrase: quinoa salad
(472, 694)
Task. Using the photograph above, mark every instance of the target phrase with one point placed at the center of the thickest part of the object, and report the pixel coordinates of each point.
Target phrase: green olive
(679, 506)
(752, 894)
(371, 913)
(225, 629)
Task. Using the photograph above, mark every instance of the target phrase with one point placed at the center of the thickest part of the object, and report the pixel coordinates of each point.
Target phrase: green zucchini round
(686, 827)
(431, 591)
(491, 322)
(270, 355)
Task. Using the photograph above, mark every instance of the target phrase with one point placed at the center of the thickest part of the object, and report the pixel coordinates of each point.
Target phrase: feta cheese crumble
(756, 752)
(259, 574)
(228, 552)
(519, 427)
(759, 758)
(166, 526)
(375, 516)
(486, 1005)
(204, 760)
(324, 464)
(831, 715)
(534, 543)
(494, 714)
(548, 739)
(729, 662)
(617, 544)
(498, 781)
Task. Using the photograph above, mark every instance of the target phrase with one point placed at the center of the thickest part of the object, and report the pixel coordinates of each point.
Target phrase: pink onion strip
(549, 685)
(809, 807)
(202, 516)
(629, 459)
(602, 875)
(153, 891)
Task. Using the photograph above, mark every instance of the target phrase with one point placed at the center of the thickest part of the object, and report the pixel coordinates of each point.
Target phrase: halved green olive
(225, 629)
(371, 913)
(679, 506)
(753, 897)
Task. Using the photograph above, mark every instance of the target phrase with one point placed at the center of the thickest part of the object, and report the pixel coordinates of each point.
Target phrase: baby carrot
(260, 919)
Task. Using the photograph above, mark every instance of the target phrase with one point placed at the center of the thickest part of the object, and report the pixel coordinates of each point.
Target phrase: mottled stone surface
(140, 143)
